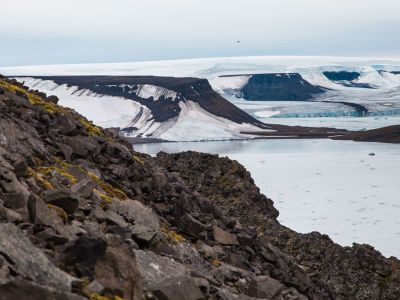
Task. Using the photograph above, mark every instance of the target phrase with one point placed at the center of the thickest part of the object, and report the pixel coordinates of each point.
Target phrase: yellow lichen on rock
(60, 212)
(138, 159)
(108, 189)
(91, 128)
(51, 107)
(55, 169)
(33, 98)
(40, 179)
(171, 235)
(216, 262)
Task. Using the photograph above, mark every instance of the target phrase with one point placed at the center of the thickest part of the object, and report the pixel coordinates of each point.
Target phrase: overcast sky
(75, 31)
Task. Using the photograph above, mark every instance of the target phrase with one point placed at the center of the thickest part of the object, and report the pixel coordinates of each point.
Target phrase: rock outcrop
(388, 134)
(279, 87)
(84, 216)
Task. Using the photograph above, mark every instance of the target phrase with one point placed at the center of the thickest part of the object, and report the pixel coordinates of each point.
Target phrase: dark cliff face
(279, 87)
(84, 216)
(341, 75)
(389, 134)
(392, 72)
(346, 79)
(193, 89)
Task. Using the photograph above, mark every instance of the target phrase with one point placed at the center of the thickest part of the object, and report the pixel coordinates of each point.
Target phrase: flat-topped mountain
(162, 95)
(149, 106)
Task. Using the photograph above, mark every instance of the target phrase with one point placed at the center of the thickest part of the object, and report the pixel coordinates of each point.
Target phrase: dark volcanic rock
(83, 216)
(223, 237)
(389, 134)
(26, 290)
(346, 78)
(81, 145)
(264, 287)
(117, 270)
(83, 188)
(178, 288)
(155, 268)
(81, 257)
(63, 198)
(341, 75)
(22, 258)
(145, 226)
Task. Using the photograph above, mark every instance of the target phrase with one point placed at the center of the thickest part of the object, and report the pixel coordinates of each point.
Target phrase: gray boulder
(119, 151)
(224, 237)
(65, 124)
(15, 194)
(81, 257)
(159, 181)
(145, 224)
(155, 268)
(26, 290)
(9, 216)
(84, 188)
(81, 145)
(178, 288)
(117, 271)
(63, 198)
(28, 261)
(264, 287)
(190, 224)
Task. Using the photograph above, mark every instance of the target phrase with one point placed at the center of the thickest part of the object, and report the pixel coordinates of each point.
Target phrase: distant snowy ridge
(311, 68)
(207, 67)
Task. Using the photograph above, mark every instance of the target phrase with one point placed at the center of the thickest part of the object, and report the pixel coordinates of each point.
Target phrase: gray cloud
(48, 31)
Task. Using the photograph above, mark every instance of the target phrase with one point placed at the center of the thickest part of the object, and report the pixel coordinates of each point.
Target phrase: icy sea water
(334, 187)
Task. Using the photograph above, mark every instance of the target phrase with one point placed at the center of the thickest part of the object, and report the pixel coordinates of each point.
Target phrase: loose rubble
(84, 216)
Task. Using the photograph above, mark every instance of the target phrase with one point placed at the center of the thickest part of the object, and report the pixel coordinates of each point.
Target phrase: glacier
(227, 75)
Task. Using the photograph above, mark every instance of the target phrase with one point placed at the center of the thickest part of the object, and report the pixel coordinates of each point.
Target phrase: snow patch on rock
(147, 91)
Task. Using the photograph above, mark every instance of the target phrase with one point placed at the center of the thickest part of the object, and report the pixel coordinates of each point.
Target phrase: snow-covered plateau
(359, 93)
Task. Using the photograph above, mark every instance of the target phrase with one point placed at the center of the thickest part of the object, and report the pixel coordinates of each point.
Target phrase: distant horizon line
(346, 57)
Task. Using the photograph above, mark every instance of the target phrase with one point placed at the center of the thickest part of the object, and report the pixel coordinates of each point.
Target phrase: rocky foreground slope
(83, 216)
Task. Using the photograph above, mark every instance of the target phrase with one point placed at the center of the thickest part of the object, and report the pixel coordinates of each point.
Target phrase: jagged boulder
(117, 271)
(145, 224)
(81, 145)
(264, 287)
(224, 237)
(25, 260)
(62, 197)
(15, 194)
(26, 290)
(155, 268)
(81, 257)
(178, 288)
(84, 188)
